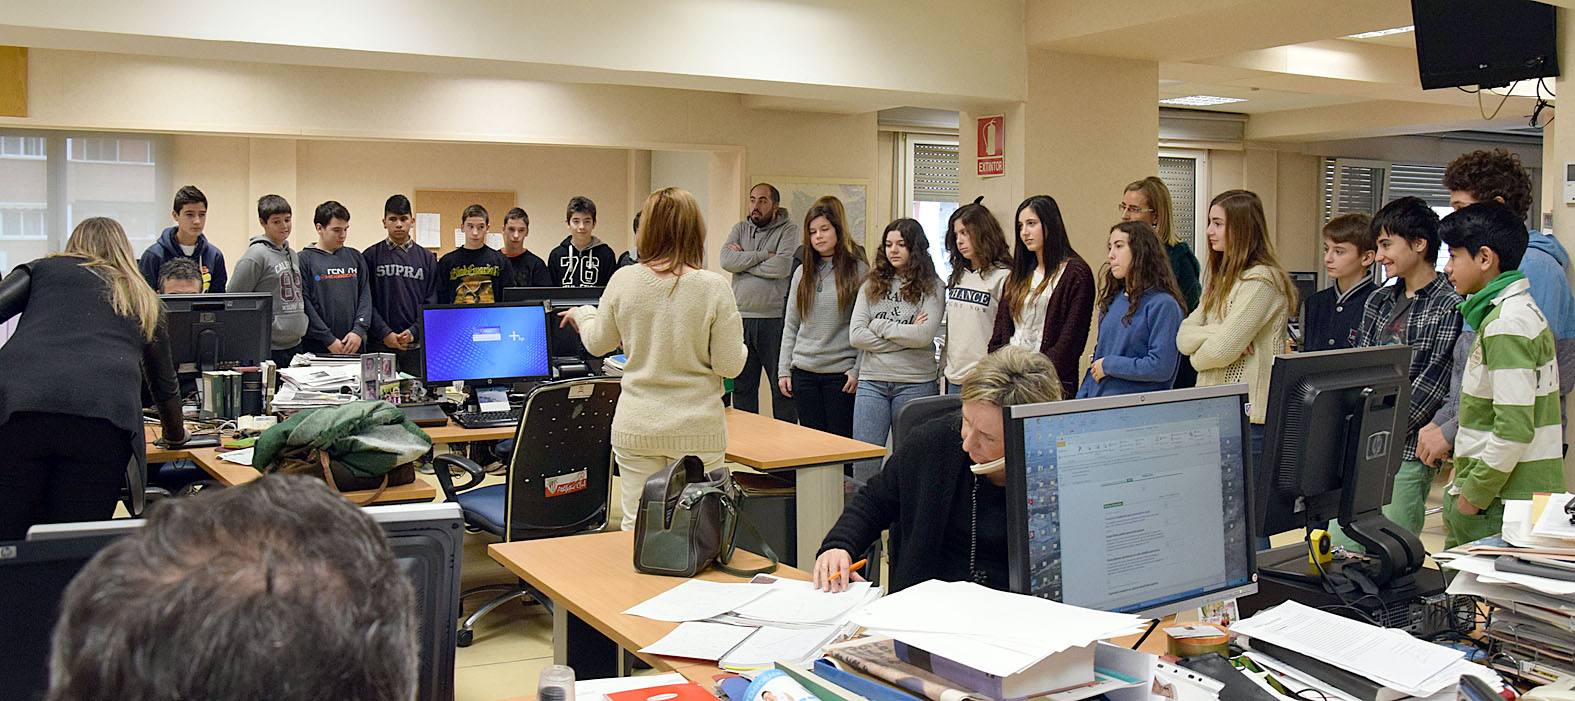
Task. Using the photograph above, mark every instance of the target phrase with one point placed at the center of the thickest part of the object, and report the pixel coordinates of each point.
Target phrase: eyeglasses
(1124, 208)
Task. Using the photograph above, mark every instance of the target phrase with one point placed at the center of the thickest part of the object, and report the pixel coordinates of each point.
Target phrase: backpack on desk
(687, 522)
(362, 445)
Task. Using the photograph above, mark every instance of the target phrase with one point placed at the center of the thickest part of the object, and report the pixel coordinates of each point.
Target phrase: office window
(1185, 175)
(110, 150)
(25, 224)
(24, 221)
(31, 147)
(1366, 186)
(932, 187)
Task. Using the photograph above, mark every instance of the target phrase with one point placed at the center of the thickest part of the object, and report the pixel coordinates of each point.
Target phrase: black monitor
(557, 297)
(1333, 439)
(1487, 43)
(426, 540)
(485, 344)
(219, 331)
(1137, 503)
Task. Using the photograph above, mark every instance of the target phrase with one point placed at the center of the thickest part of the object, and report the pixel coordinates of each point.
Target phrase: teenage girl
(818, 368)
(1139, 313)
(1049, 297)
(895, 320)
(980, 259)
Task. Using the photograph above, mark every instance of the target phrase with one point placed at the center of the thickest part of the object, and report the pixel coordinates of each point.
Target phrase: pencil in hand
(852, 567)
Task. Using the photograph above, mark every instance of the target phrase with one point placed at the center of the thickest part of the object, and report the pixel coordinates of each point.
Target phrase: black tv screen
(1487, 43)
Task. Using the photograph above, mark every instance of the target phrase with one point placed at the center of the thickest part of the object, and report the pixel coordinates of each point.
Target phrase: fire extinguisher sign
(992, 148)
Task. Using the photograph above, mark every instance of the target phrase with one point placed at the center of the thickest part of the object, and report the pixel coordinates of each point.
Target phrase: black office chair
(911, 415)
(558, 480)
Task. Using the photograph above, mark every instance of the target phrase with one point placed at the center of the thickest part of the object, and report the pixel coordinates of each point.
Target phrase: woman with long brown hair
(980, 259)
(679, 326)
(71, 433)
(1148, 200)
(894, 323)
(818, 366)
(1239, 326)
(1049, 297)
(1139, 313)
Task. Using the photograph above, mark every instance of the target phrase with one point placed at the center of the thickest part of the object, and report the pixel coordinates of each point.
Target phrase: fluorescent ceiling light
(1382, 33)
(1200, 100)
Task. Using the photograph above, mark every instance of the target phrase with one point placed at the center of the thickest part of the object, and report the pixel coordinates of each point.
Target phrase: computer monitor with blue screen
(486, 343)
(1137, 503)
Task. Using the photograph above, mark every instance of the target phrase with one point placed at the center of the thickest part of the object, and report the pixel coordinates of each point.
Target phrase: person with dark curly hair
(1498, 175)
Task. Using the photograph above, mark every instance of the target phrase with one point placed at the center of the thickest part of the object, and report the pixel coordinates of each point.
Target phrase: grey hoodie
(268, 267)
(764, 268)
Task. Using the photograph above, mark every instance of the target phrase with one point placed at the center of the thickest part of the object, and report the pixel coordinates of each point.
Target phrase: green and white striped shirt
(1510, 442)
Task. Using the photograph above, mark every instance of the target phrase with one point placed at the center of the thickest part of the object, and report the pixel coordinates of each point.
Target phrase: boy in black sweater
(1332, 318)
(526, 269)
(336, 286)
(582, 260)
(404, 277)
(474, 273)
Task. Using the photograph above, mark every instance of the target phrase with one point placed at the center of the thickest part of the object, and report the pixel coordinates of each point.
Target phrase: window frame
(59, 220)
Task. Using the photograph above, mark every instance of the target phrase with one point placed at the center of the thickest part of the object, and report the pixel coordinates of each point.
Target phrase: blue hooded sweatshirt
(208, 257)
(1139, 355)
(1544, 265)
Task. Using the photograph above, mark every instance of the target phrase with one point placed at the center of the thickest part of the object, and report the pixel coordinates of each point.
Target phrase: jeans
(821, 403)
(637, 466)
(1407, 505)
(763, 338)
(46, 480)
(953, 389)
(873, 408)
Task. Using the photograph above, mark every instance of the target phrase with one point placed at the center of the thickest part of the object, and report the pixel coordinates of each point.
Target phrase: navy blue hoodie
(208, 257)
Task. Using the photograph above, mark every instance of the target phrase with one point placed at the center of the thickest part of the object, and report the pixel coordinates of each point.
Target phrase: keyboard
(488, 419)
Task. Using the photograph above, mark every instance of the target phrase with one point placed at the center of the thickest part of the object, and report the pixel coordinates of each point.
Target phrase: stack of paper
(322, 378)
(996, 632)
(751, 625)
(1529, 575)
(290, 399)
(1390, 658)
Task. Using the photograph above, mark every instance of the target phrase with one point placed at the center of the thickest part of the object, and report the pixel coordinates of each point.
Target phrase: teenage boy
(1422, 311)
(404, 277)
(270, 265)
(1497, 176)
(1332, 318)
(1509, 445)
(526, 269)
(475, 272)
(582, 260)
(186, 240)
(335, 280)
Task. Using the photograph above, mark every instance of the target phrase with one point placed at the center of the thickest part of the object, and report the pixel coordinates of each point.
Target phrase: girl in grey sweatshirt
(818, 366)
(894, 324)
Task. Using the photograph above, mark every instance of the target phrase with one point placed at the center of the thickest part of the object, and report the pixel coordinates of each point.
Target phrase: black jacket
(921, 494)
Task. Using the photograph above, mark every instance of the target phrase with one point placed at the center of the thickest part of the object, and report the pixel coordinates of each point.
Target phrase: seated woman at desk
(944, 499)
(70, 377)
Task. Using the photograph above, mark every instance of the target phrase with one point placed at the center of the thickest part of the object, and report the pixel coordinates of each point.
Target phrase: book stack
(1527, 576)
(221, 394)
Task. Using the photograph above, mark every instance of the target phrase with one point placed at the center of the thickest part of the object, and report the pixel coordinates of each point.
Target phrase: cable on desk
(1146, 633)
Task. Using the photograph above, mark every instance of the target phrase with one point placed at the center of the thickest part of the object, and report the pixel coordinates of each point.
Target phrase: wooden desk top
(765, 443)
(230, 474)
(593, 576)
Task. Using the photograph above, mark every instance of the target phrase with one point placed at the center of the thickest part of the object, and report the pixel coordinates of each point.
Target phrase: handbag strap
(328, 476)
(736, 517)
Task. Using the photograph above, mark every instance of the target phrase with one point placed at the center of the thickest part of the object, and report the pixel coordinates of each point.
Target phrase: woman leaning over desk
(679, 325)
(70, 381)
(944, 499)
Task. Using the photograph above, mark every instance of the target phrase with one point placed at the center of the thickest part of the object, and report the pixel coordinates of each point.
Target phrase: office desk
(591, 580)
(230, 474)
(816, 459)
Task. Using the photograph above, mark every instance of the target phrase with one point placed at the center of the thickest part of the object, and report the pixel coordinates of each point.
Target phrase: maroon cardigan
(1067, 321)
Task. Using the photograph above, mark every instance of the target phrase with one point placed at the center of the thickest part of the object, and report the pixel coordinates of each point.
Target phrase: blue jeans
(953, 389)
(873, 406)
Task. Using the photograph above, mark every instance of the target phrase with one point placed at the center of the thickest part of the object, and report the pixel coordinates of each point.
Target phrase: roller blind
(935, 172)
(1181, 176)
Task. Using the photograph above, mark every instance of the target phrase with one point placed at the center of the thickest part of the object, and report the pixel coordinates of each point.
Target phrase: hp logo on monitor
(1378, 445)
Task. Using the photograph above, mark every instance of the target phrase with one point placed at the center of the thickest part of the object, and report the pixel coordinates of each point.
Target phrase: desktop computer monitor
(219, 331)
(426, 540)
(1333, 439)
(1137, 503)
(565, 340)
(486, 344)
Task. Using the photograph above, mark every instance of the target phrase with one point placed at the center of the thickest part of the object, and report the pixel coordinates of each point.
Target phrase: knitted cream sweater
(682, 336)
(1255, 316)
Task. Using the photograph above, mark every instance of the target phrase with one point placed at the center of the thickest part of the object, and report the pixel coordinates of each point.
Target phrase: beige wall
(1290, 186)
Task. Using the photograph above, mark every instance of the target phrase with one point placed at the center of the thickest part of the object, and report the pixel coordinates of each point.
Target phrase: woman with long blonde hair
(680, 328)
(71, 376)
(1239, 325)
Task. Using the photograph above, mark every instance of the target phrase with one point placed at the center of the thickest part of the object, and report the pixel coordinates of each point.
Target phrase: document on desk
(239, 457)
(1555, 521)
(598, 689)
(789, 601)
(1389, 657)
(1486, 569)
(697, 600)
(699, 640)
(771, 643)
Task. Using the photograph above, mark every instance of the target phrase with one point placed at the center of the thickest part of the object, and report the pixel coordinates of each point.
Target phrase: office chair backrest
(560, 473)
(909, 416)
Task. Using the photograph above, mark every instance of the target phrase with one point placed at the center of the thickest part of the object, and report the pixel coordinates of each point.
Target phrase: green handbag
(688, 521)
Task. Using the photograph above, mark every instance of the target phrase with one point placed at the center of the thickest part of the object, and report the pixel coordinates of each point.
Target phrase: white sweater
(682, 336)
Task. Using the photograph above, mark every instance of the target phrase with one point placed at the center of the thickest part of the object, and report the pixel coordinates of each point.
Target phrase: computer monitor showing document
(1138, 503)
(486, 343)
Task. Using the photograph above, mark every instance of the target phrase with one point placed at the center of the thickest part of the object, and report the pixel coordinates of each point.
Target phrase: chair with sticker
(557, 483)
